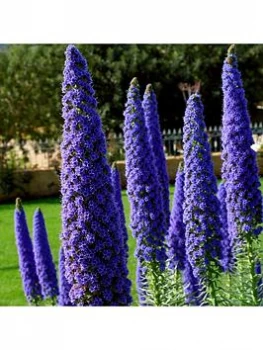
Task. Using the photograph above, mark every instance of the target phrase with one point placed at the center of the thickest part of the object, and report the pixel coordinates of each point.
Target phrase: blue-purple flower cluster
(45, 266)
(64, 286)
(239, 169)
(147, 218)
(201, 206)
(227, 256)
(32, 288)
(94, 265)
(120, 218)
(155, 138)
(120, 212)
(176, 232)
(176, 242)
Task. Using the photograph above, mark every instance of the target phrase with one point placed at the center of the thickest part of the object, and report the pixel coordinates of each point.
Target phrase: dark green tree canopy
(31, 75)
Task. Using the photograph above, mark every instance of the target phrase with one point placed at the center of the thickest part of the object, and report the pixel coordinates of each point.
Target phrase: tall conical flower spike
(94, 265)
(147, 218)
(239, 169)
(27, 265)
(45, 266)
(176, 242)
(201, 205)
(240, 175)
(155, 138)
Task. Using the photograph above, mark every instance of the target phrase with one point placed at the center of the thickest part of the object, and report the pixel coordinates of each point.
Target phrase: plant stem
(253, 275)
(212, 286)
(155, 289)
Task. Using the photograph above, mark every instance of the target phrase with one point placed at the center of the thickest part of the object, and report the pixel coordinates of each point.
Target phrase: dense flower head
(201, 206)
(176, 242)
(121, 224)
(64, 286)
(227, 257)
(45, 266)
(176, 232)
(120, 209)
(155, 138)
(27, 264)
(94, 265)
(147, 218)
(239, 169)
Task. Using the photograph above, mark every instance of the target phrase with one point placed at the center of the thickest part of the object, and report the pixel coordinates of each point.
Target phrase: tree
(30, 78)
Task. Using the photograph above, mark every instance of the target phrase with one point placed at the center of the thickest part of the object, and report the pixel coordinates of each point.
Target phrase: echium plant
(64, 286)
(94, 265)
(155, 138)
(32, 288)
(45, 266)
(120, 211)
(241, 180)
(201, 206)
(115, 176)
(176, 232)
(176, 243)
(147, 218)
(227, 256)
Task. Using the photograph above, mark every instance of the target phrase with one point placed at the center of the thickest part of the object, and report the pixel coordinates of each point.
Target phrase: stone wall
(45, 183)
(33, 184)
(172, 165)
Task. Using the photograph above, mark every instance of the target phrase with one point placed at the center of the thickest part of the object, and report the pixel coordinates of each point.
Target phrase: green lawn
(11, 292)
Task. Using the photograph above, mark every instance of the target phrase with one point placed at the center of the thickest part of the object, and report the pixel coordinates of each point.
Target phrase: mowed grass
(11, 291)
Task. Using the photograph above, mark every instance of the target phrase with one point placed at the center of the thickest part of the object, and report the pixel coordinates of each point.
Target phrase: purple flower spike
(27, 265)
(227, 257)
(239, 169)
(176, 242)
(176, 232)
(45, 266)
(240, 175)
(121, 225)
(201, 206)
(94, 265)
(64, 286)
(121, 217)
(147, 218)
(155, 138)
